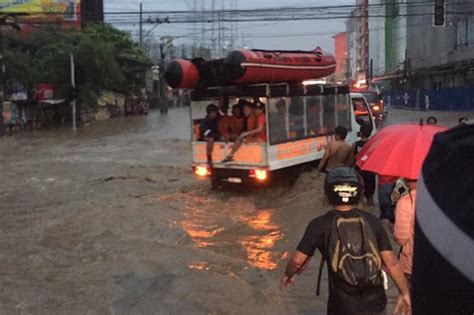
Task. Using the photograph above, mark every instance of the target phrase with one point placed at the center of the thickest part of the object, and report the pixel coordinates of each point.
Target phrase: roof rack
(268, 90)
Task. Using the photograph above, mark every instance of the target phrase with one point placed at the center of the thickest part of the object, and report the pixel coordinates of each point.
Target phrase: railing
(449, 99)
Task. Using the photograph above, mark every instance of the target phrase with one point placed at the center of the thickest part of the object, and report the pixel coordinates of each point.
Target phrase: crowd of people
(356, 281)
(396, 196)
(246, 123)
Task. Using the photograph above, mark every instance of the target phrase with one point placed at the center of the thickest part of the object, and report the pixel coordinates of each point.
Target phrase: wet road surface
(110, 220)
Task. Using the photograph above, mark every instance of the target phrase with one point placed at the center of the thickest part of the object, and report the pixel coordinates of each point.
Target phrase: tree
(106, 59)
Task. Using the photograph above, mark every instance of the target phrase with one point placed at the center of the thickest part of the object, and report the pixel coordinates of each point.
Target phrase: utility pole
(141, 23)
(219, 35)
(162, 90)
(371, 72)
(2, 81)
(213, 29)
(73, 88)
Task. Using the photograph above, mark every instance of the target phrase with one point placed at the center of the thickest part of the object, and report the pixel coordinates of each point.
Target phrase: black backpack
(353, 255)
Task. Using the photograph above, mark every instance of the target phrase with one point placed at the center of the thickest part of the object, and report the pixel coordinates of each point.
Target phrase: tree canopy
(106, 59)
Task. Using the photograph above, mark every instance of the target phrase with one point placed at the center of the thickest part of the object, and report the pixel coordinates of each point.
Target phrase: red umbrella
(398, 150)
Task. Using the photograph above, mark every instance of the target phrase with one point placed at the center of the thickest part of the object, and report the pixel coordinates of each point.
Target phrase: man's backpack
(353, 255)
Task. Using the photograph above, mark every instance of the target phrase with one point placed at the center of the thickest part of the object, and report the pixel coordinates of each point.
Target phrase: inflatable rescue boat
(250, 67)
(259, 66)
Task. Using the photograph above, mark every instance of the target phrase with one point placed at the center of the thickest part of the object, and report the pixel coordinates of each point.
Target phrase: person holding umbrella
(404, 230)
(399, 150)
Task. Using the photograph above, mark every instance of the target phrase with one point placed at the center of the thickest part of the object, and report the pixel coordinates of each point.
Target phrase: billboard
(56, 11)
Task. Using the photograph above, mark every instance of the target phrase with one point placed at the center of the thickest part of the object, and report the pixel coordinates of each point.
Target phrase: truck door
(362, 113)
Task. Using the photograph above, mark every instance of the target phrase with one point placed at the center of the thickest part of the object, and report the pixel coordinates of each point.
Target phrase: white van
(300, 122)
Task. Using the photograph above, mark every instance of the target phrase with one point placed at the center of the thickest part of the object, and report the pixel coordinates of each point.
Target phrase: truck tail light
(202, 171)
(260, 175)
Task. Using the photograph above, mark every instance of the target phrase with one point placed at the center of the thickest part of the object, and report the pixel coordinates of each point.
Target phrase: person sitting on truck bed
(230, 127)
(209, 130)
(238, 121)
(224, 124)
(256, 128)
(338, 153)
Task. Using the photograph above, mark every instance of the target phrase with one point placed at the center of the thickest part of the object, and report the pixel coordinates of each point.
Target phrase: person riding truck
(209, 130)
(256, 126)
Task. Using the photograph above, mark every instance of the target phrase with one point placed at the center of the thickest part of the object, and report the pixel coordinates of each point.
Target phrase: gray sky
(304, 35)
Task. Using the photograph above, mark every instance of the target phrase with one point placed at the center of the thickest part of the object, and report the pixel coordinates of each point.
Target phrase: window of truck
(314, 118)
(278, 119)
(343, 111)
(300, 117)
(296, 117)
(361, 112)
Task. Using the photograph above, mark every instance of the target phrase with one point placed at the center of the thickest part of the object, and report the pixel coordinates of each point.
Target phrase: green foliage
(106, 59)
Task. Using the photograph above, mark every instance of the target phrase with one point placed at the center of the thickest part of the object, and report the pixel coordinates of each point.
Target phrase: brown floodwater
(110, 220)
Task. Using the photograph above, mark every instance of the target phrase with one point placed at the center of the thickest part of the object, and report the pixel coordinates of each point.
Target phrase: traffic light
(439, 13)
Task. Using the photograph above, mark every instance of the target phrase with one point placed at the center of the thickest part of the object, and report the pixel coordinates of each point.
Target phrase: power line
(261, 11)
(305, 18)
(266, 10)
(283, 35)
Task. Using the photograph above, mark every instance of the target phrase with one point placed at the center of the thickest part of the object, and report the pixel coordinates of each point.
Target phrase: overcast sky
(304, 35)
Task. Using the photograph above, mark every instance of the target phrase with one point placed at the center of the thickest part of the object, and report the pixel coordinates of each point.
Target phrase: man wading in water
(356, 248)
(338, 153)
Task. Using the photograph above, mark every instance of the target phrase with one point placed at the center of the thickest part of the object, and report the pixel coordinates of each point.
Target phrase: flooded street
(110, 220)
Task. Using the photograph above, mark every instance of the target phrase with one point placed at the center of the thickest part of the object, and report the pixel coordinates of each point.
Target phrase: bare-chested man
(338, 153)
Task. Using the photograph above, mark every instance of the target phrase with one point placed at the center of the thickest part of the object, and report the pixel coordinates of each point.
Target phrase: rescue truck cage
(300, 121)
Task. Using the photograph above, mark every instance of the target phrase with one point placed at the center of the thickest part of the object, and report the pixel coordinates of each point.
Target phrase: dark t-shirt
(209, 128)
(315, 237)
(358, 146)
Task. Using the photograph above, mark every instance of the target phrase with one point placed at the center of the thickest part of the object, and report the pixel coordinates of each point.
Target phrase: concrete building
(92, 11)
(395, 37)
(357, 29)
(340, 54)
(362, 39)
(440, 57)
(351, 65)
(377, 37)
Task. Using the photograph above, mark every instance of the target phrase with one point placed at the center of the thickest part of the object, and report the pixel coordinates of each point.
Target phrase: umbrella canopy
(398, 150)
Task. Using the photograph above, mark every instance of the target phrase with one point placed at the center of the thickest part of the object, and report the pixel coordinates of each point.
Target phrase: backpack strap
(323, 260)
(320, 274)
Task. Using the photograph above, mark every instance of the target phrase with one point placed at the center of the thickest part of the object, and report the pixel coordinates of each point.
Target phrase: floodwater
(110, 220)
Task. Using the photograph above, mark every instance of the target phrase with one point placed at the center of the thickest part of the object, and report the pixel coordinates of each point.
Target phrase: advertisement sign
(62, 11)
(44, 91)
(16, 92)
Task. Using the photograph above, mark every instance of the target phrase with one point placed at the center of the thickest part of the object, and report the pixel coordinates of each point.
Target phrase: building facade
(440, 57)
(351, 65)
(395, 37)
(340, 54)
(377, 38)
(92, 11)
(362, 39)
